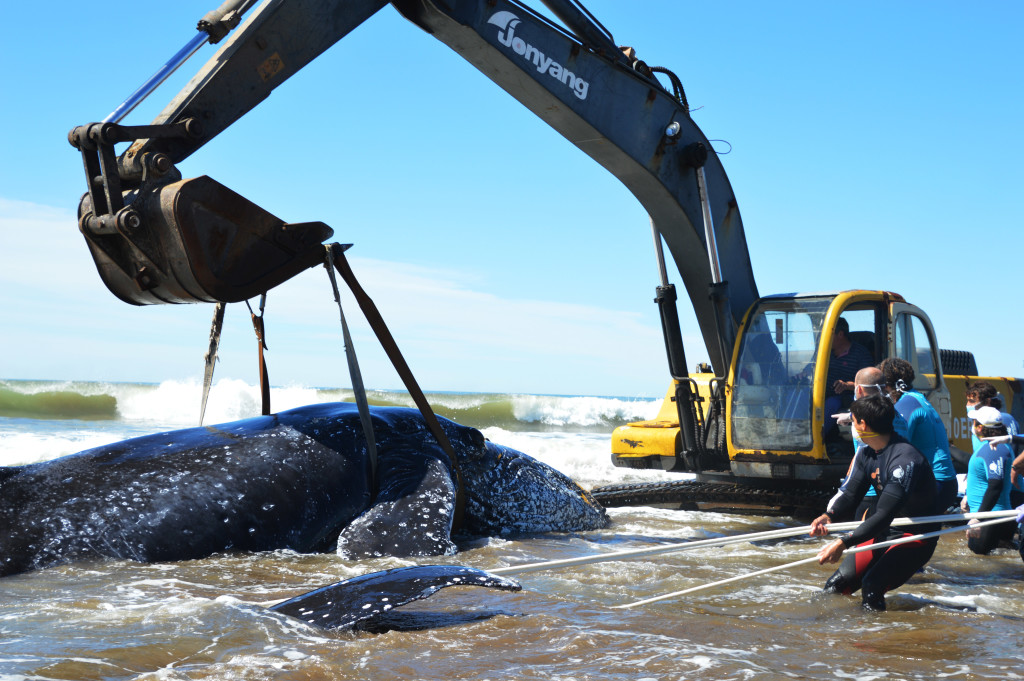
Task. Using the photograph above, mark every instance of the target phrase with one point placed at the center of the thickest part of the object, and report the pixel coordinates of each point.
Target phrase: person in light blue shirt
(925, 428)
(1012, 429)
(1011, 423)
(984, 394)
(988, 481)
(1015, 442)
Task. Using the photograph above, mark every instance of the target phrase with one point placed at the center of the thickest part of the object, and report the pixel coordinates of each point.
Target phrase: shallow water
(959, 618)
(201, 619)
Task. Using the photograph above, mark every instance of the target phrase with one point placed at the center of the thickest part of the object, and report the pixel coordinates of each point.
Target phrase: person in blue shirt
(848, 357)
(1014, 441)
(984, 394)
(1008, 420)
(988, 480)
(1017, 491)
(925, 428)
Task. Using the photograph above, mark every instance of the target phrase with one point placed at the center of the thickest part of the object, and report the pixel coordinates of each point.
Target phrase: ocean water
(41, 420)
(959, 618)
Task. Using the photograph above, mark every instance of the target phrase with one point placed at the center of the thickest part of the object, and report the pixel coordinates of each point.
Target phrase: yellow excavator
(763, 434)
(753, 425)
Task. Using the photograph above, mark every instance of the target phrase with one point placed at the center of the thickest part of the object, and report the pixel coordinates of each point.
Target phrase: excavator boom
(156, 245)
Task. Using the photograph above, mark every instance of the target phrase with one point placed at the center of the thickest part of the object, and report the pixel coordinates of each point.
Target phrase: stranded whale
(299, 480)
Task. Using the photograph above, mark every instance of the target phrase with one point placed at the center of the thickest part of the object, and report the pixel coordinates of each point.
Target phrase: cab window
(771, 401)
(863, 321)
(915, 345)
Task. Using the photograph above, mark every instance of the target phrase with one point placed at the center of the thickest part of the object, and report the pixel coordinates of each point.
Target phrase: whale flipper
(354, 601)
(411, 514)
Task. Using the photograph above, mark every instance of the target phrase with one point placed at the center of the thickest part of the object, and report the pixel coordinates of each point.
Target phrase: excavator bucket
(196, 241)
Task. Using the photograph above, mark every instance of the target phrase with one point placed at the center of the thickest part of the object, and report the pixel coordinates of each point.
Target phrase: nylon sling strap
(257, 325)
(387, 342)
(211, 355)
(358, 389)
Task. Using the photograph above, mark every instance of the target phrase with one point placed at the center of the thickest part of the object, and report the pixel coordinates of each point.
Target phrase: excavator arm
(157, 238)
(616, 111)
(278, 40)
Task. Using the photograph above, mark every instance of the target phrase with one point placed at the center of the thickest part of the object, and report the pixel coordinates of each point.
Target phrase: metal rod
(709, 228)
(172, 64)
(586, 29)
(659, 251)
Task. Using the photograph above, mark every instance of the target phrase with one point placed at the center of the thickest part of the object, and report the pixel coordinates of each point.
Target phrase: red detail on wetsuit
(864, 559)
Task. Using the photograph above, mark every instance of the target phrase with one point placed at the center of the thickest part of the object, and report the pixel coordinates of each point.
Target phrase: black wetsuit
(906, 487)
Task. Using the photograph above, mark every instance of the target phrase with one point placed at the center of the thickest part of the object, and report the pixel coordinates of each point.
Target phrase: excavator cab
(783, 405)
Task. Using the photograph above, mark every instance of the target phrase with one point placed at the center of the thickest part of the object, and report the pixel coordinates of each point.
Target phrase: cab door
(911, 337)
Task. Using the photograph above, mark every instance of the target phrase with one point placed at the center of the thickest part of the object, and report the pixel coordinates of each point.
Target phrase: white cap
(986, 416)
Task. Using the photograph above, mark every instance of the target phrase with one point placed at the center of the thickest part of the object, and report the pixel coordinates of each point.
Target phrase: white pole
(722, 541)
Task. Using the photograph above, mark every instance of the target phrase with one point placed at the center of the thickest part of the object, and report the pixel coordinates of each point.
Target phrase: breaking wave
(56, 401)
(177, 404)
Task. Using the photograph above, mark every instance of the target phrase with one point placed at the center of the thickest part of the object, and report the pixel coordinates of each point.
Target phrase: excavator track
(717, 495)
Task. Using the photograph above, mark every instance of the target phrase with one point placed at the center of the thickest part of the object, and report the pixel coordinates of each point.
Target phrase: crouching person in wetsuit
(903, 479)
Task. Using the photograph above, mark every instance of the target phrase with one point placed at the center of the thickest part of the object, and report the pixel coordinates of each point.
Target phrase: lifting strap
(387, 342)
(358, 389)
(211, 355)
(257, 325)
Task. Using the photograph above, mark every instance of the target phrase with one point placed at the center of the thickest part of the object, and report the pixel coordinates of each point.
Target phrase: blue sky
(873, 145)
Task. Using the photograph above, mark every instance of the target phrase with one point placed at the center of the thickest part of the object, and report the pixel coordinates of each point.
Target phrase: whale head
(508, 492)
